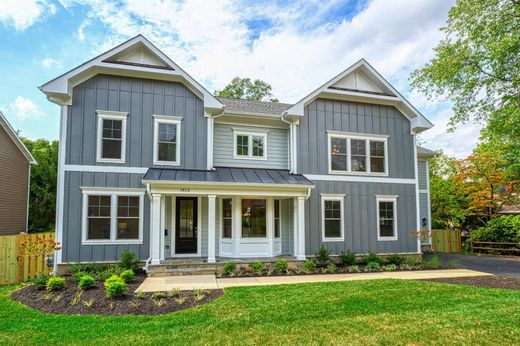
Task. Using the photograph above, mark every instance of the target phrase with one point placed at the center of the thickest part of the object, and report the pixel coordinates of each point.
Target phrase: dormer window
(111, 136)
(352, 153)
(250, 145)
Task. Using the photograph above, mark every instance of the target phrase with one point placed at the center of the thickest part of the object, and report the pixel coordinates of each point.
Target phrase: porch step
(181, 269)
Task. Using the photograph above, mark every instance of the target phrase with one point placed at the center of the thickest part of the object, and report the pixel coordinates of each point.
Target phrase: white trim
(174, 228)
(104, 169)
(429, 201)
(417, 201)
(348, 137)
(113, 193)
(176, 183)
(155, 228)
(354, 178)
(244, 123)
(110, 115)
(60, 196)
(300, 202)
(332, 197)
(250, 135)
(212, 206)
(161, 119)
(210, 125)
(27, 200)
(392, 199)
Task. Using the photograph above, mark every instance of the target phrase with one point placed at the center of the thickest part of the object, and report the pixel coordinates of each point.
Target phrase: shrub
(390, 267)
(322, 256)
(348, 258)
(139, 294)
(115, 287)
(353, 269)
(373, 266)
(394, 259)
(372, 257)
(412, 261)
(331, 268)
(281, 266)
(502, 229)
(257, 267)
(40, 281)
(159, 295)
(86, 282)
(100, 272)
(128, 261)
(229, 268)
(127, 275)
(174, 293)
(309, 265)
(56, 283)
(433, 262)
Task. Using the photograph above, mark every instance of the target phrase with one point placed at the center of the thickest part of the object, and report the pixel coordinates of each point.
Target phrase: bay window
(254, 223)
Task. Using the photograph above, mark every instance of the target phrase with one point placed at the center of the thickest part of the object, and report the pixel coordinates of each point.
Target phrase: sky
(294, 45)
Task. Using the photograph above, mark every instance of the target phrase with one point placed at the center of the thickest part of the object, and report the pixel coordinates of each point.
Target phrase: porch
(210, 217)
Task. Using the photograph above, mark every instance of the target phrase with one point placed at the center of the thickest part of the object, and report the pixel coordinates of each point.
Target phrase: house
(152, 162)
(15, 175)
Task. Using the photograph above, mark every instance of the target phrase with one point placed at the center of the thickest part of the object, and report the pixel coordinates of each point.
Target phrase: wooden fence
(444, 240)
(15, 265)
(495, 247)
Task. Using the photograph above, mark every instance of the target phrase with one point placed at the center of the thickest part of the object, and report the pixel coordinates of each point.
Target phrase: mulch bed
(490, 281)
(60, 302)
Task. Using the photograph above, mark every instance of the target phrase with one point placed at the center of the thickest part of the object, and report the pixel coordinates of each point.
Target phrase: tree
(244, 88)
(477, 65)
(42, 196)
(448, 201)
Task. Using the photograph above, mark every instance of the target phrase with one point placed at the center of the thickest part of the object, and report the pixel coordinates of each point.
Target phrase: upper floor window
(357, 154)
(167, 130)
(386, 217)
(111, 136)
(250, 145)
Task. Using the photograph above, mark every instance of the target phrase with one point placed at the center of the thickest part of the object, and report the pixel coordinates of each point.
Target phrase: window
(277, 218)
(386, 218)
(250, 145)
(112, 216)
(111, 136)
(166, 140)
(355, 154)
(254, 218)
(332, 217)
(227, 224)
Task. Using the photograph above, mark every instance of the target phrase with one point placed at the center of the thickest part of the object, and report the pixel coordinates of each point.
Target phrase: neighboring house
(152, 162)
(15, 173)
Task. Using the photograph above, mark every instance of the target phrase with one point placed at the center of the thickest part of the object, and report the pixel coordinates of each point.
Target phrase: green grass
(362, 312)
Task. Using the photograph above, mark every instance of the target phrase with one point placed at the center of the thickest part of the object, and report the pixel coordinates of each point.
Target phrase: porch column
(211, 228)
(155, 229)
(300, 249)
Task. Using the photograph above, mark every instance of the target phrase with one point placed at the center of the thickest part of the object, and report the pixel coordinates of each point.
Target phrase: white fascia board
(14, 136)
(175, 183)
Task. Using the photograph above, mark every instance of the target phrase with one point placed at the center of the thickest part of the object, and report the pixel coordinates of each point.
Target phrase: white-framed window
(167, 140)
(227, 218)
(277, 224)
(112, 216)
(254, 218)
(250, 145)
(332, 217)
(386, 208)
(111, 136)
(352, 153)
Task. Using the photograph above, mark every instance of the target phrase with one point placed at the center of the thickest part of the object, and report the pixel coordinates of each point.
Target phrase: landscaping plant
(128, 260)
(86, 282)
(373, 266)
(309, 266)
(229, 268)
(394, 259)
(40, 282)
(281, 266)
(257, 267)
(128, 275)
(56, 283)
(372, 257)
(322, 256)
(390, 267)
(433, 262)
(115, 287)
(158, 295)
(348, 258)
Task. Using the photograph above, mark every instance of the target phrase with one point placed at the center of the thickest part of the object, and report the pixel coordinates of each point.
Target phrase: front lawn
(360, 312)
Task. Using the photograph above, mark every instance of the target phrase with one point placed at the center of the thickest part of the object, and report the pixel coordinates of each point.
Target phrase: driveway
(504, 266)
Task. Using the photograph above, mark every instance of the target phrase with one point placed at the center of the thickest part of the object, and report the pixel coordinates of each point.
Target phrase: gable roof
(421, 151)
(361, 82)
(137, 57)
(245, 107)
(14, 136)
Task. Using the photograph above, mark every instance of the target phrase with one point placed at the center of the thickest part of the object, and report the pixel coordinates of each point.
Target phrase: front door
(186, 225)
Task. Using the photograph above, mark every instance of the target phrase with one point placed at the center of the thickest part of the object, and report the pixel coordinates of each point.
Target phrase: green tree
(42, 197)
(244, 88)
(477, 66)
(448, 200)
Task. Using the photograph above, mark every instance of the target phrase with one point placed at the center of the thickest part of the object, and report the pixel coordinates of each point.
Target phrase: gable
(357, 81)
(138, 55)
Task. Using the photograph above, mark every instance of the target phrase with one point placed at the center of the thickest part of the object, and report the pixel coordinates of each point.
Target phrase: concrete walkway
(190, 282)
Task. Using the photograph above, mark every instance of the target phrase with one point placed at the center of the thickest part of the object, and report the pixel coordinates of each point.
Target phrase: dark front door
(186, 225)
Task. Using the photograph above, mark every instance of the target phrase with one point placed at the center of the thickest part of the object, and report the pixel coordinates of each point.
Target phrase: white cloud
(23, 108)
(297, 49)
(21, 14)
(51, 62)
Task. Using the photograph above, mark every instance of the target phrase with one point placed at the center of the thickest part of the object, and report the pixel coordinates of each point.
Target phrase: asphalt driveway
(504, 266)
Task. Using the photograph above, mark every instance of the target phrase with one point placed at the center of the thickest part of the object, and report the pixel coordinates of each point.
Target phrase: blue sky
(295, 46)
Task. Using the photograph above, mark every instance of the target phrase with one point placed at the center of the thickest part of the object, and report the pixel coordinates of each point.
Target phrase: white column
(211, 228)
(155, 231)
(295, 226)
(300, 254)
(162, 226)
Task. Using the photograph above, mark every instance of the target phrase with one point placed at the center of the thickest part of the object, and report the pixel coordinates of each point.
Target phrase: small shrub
(89, 303)
(405, 266)
(390, 267)
(56, 283)
(199, 294)
(281, 266)
(257, 267)
(174, 293)
(353, 269)
(348, 258)
(139, 294)
(229, 268)
(128, 275)
(394, 259)
(159, 295)
(331, 268)
(40, 282)
(433, 262)
(115, 287)
(135, 304)
(46, 296)
(77, 298)
(373, 266)
(159, 302)
(128, 261)
(86, 282)
(412, 261)
(180, 300)
(309, 266)
(372, 257)
(322, 256)
(57, 298)
(100, 272)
